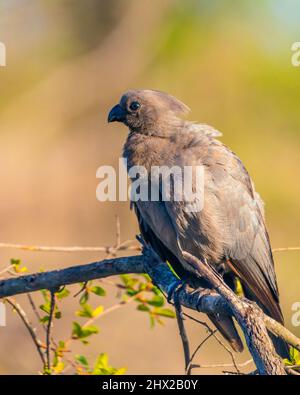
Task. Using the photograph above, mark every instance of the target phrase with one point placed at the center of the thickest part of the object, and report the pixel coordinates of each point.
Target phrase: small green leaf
(102, 367)
(45, 307)
(164, 312)
(63, 293)
(98, 290)
(86, 311)
(143, 307)
(90, 330)
(76, 332)
(157, 301)
(82, 359)
(15, 262)
(294, 356)
(57, 315)
(80, 332)
(84, 298)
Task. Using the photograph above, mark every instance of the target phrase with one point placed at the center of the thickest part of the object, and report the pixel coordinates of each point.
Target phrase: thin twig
(6, 269)
(118, 231)
(33, 306)
(49, 326)
(183, 336)
(29, 327)
(214, 334)
(286, 249)
(223, 365)
(190, 366)
(122, 247)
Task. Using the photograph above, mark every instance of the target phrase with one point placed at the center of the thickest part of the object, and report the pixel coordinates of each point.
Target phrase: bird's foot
(173, 289)
(201, 292)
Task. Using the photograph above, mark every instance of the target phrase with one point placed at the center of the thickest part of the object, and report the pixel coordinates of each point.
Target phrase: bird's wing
(224, 324)
(156, 243)
(246, 239)
(231, 223)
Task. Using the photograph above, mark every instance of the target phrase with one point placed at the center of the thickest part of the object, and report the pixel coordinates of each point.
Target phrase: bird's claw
(173, 293)
(173, 289)
(201, 292)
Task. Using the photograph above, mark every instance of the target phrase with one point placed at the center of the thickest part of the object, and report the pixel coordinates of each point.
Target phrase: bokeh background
(68, 62)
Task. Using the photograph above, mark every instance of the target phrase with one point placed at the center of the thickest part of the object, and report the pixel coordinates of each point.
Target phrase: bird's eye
(134, 106)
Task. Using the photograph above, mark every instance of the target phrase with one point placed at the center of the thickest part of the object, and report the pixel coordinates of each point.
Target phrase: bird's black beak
(117, 114)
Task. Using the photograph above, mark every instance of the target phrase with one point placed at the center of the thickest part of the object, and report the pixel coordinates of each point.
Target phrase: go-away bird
(228, 232)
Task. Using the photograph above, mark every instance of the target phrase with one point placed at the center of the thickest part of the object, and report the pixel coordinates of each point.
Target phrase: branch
(72, 275)
(249, 317)
(220, 300)
(29, 327)
(108, 250)
(49, 326)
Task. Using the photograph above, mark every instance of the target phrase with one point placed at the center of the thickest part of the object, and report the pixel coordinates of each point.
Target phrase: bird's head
(147, 111)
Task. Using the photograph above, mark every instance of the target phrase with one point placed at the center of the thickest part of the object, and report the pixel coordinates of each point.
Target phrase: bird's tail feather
(281, 347)
(228, 330)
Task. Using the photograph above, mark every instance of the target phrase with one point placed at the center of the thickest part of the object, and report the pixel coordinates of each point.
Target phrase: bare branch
(49, 327)
(29, 327)
(108, 250)
(249, 317)
(220, 300)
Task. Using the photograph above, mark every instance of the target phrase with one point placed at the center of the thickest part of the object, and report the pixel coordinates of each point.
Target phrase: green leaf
(57, 315)
(61, 344)
(45, 307)
(84, 298)
(76, 332)
(294, 357)
(128, 280)
(82, 359)
(131, 292)
(80, 332)
(156, 291)
(102, 367)
(143, 307)
(157, 301)
(86, 311)
(164, 312)
(90, 330)
(63, 293)
(98, 290)
(45, 294)
(15, 262)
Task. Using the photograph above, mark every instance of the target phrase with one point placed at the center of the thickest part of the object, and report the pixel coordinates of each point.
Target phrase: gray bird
(229, 232)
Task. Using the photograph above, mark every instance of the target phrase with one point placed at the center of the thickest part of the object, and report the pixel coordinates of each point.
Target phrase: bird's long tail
(226, 327)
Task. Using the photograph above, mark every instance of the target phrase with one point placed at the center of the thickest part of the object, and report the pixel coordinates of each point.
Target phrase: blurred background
(68, 62)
